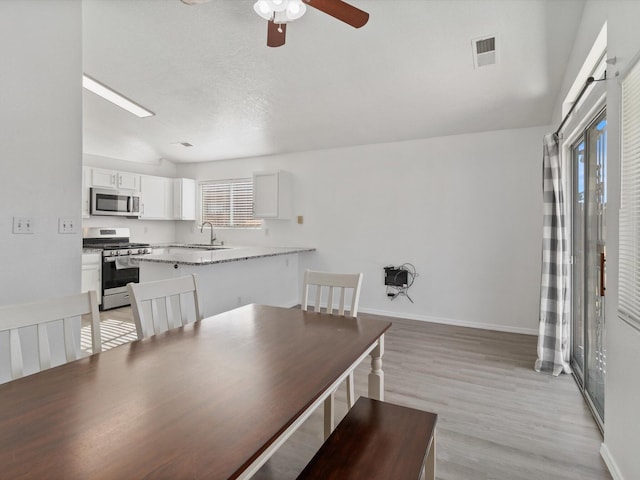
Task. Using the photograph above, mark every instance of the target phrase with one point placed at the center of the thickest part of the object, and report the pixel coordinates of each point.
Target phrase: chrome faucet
(213, 235)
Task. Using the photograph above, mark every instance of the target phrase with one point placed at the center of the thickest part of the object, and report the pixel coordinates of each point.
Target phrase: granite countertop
(221, 254)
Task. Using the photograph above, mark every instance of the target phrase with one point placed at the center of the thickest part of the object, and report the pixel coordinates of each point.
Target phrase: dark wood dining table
(214, 399)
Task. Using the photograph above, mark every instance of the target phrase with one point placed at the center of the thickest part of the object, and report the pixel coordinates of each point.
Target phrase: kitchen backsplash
(142, 231)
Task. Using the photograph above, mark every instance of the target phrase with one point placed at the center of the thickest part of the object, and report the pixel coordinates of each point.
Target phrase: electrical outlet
(67, 225)
(22, 225)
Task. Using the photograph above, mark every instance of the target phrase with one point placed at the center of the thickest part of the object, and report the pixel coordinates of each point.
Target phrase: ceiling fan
(279, 12)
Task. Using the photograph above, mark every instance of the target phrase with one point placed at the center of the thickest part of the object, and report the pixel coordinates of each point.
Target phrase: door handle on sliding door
(602, 276)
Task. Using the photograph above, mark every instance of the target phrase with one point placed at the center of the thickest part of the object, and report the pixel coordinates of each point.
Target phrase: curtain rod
(588, 82)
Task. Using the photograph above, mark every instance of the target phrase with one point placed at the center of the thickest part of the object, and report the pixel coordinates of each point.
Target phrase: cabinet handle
(119, 180)
(113, 179)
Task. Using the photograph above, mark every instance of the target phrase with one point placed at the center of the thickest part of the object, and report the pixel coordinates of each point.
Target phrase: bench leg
(430, 466)
(376, 376)
(329, 415)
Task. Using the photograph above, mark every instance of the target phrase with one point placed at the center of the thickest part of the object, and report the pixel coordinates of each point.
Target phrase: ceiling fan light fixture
(295, 9)
(278, 5)
(280, 11)
(263, 9)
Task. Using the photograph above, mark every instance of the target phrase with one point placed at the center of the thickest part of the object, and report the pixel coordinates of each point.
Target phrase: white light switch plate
(22, 225)
(67, 225)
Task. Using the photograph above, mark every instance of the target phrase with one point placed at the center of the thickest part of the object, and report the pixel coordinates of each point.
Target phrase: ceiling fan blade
(276, 33)
(341, 10)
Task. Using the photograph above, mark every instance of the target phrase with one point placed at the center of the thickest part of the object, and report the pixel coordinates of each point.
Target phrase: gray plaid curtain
(553, 333)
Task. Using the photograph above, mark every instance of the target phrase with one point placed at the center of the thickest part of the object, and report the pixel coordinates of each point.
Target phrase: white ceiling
(206, 72)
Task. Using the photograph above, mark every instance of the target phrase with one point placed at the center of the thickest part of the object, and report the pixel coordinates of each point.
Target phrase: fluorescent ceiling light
(114, 97)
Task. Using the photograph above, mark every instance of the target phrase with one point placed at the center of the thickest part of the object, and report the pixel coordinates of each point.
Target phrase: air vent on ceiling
(484, 51)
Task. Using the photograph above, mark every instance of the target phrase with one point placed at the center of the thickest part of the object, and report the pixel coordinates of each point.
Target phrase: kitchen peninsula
(230, 276)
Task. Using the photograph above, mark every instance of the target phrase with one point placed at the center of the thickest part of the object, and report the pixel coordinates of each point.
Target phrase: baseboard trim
(610, 462)
(451, 321)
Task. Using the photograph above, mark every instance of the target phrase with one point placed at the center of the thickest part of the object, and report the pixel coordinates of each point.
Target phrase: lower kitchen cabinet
(92, 274)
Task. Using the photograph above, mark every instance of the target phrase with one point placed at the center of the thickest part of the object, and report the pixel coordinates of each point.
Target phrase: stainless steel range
(119, 266)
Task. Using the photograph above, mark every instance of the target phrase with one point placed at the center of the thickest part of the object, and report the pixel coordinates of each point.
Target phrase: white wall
(40, 158)
(148, 231)
(40, 146)
(465, 210)
(622, 387)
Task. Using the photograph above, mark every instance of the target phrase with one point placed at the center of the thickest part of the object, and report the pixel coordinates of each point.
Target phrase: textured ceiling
(206, 72)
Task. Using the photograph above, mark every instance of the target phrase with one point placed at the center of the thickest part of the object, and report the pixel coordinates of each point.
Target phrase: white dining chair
(338, 286)
(39, 314)
(340, 282)
(160, 305)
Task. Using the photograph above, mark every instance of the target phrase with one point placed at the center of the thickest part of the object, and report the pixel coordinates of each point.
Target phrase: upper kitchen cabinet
(156, 198)
(112, 179)
(86, 182)
(272, 195)
(184, 199)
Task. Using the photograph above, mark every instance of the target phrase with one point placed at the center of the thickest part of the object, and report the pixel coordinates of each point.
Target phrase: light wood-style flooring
(498, 418)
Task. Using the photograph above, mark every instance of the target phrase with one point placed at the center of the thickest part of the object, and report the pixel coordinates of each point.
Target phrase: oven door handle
(113, 259)
(129, 204)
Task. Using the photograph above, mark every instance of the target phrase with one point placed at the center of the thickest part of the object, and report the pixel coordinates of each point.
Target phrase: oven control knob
(129, 252)
(141, 250)
(115, 252)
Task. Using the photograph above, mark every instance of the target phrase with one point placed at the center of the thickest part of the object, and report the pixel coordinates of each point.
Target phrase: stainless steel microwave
(114, 202)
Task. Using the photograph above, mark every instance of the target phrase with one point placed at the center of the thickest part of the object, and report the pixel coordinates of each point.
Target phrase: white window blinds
(629, 280)
(228, 203)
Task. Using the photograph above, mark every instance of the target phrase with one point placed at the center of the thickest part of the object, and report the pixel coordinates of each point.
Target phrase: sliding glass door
(589, 202)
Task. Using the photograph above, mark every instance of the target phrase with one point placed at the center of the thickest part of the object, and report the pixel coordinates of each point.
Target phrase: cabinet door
(103, 178)
(156, 197)
(265, 195)
(86, 183)
(184, 199)
(129, 181)
(92, 274)
(272, 195)
(91, 280)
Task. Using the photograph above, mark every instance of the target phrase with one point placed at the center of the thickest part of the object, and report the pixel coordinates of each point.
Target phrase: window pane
(228, 203)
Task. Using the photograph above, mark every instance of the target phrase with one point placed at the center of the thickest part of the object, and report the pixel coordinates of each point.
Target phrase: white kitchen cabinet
(86, 199)
(128, 181)
(272, 195)
(156, 198)
(184, 199)
(92, 274)
(111, 179)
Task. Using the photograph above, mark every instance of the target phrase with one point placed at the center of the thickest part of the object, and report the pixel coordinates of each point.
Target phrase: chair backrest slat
(44, 352)
(340, 281)
(158, 306)
(41, 313)
(15, 354)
